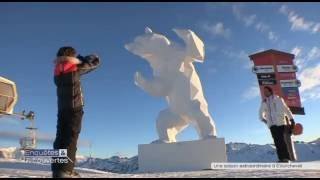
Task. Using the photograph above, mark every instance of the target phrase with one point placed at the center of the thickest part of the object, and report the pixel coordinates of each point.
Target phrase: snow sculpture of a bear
(175, 78)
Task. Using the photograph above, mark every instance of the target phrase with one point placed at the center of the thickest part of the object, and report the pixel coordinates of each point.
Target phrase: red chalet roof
(270, 51)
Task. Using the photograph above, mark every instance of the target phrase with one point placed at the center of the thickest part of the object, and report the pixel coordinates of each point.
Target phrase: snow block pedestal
(181, 156)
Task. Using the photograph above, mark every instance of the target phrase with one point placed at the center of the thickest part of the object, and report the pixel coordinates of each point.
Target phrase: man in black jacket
(68, 69)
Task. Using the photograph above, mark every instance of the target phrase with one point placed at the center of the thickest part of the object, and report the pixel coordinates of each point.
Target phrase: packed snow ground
(14, 169)
(122, 167)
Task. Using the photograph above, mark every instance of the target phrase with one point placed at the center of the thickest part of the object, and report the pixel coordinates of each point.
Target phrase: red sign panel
(277, 70)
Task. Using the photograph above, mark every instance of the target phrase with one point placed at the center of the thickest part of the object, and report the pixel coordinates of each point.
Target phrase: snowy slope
(236, 152)
(316, 141)
(114, 164)
(13, 168)
(239, 152)
(7, 153)
(20, 169)
(10, 153)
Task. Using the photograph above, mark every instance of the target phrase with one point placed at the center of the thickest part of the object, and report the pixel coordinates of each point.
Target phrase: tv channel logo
(46, 153)
(63, 153)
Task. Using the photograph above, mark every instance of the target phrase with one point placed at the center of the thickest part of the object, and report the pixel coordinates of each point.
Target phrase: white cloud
(284, 9)
(296, 51)
(310, 78)
(299, 61)
(247, 19)
(314, 53)
(217, 29)
(316, 28)
(272, 36)
(261, 27)
(302, 60)
(299, 23)
(248, 64)
(308, 74)
(251, 93)
(251, 19)
(313, 94)
(261, 49)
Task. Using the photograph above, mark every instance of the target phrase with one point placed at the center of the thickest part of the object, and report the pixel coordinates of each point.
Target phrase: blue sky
(119, 115)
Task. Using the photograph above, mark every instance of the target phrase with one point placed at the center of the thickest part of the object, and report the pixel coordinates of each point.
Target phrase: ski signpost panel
(277, 70)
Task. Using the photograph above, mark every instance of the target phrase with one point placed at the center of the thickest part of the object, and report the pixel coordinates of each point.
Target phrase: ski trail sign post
(277, 70)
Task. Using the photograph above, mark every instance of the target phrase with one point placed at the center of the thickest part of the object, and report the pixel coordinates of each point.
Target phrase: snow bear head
(148, 45)
(158, 49)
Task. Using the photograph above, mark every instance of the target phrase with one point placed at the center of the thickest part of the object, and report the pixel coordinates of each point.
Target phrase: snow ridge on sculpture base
(181, 156)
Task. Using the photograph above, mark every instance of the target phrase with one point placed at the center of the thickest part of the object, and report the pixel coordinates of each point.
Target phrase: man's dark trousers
(68, 130)
(278, 135)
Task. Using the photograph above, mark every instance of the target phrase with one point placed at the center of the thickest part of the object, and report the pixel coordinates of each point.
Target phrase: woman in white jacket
(275, 113)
